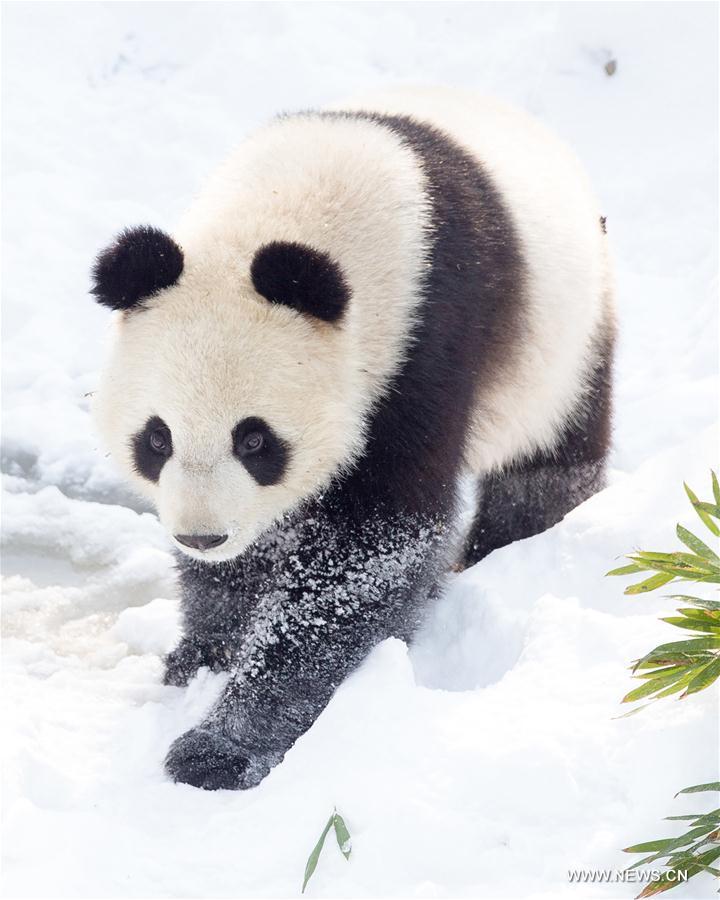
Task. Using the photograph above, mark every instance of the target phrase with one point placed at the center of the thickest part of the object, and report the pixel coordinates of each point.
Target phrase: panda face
(226, 409)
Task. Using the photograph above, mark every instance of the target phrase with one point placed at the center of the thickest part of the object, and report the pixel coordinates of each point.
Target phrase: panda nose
(201, 541)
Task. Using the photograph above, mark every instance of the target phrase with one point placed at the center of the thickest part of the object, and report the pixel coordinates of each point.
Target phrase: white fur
(208, 352)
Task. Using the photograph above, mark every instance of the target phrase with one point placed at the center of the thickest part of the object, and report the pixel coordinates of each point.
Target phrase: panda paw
(210, 760)
(182, 663)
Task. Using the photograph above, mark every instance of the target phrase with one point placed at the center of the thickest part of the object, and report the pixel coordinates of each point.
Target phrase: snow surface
(486, 760)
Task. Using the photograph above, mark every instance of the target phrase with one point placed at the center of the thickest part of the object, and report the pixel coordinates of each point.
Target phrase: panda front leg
(216, 608)
(335, 599)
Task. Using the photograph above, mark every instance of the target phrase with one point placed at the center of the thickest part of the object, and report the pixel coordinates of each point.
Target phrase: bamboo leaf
(700, 615)
(709, 820)
(664, 883)
(692, 866)
(695, 544)
(679, 659)
(342, 835)
(692, 624)
(701, 643)
(715, 487)
(668, 670)
(666, 844)
(312, 862)
(711, 509)
(678, 686)
(696, 562)
(704, 517)
(630, 569)
(697, 601)
(700, 788)
(650, 584)
(649, 687)
(704, 678)
(662, 844)
(649, 556)
(681, 571)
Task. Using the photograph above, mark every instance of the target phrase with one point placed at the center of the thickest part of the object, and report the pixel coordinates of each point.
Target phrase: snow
(487, 759)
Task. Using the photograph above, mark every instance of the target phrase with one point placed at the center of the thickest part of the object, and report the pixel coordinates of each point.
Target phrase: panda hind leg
(525, 500)
(529, 496)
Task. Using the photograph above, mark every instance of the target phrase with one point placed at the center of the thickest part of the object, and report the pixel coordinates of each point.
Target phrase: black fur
(300, 277)
(470, 323)
(530, 496)
(603, 224)
(268, 464)
(141, 262)
(148, 461)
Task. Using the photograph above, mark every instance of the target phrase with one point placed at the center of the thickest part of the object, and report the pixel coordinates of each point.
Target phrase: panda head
(229, 397)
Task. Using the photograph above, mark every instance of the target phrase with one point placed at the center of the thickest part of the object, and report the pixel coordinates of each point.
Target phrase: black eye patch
(260, 450)
(151, 448)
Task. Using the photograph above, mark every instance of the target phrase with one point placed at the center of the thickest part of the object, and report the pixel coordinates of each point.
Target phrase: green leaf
(697, 601)
(691, 865)
(631, 569)
(689, 646)
(700, 615)
(678, 686)
(693, 561)
(705, 677)
(709, 820)
(342, 835)
(312, 862)
(668, 670)
(649, 845)
(695, 544)
(712, 509)
(716, 487)
(650, 687)
(688, 573)
(705, 518)
(677, 659)
(650, 584)
(699, 788)
(666, 844)
(649, 556)
(692, 624)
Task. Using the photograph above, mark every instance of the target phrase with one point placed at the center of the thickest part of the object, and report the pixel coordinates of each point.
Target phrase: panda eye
(253, 442)
(160, 441)
(263, 452)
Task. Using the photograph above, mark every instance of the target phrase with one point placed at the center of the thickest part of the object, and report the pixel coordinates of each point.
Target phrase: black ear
(300, 277)
(141, 262)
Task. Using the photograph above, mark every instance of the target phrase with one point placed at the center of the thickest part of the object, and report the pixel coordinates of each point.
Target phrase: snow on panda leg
(345, 587)
(217, 603)
(532, 495)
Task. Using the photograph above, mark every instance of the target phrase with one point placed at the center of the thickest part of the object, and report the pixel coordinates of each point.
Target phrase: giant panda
(364, 306)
